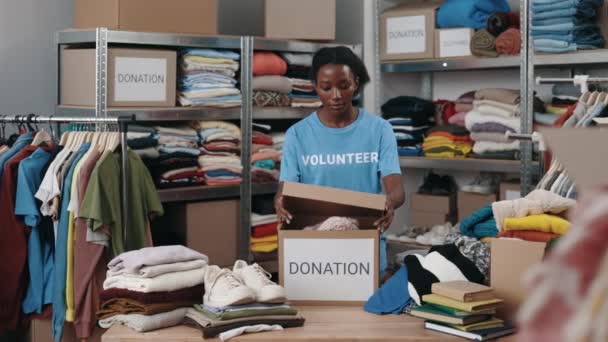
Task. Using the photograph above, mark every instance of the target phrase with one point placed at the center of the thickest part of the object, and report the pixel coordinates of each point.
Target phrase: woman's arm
(395, 197)
(283, 215)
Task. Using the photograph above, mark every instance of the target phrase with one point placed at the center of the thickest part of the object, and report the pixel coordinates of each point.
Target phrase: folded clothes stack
(469, 13)
(174, 164)
(462, 106)
(564, 26)
(495, 112)
(152, 288)
(410, 117)
(265, 158)
(264, 238)
(239, 299)
(220, 160)
(143, 140)
(207, 78)
(449, 141)
(299, 68)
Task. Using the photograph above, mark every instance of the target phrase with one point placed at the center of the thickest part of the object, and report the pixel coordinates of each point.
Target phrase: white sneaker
(223, 288)
(254, 276)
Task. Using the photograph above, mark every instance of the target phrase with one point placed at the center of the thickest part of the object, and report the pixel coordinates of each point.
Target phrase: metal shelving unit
(463, 164)
(203, 193)
(158, 113)
(450, 64)
(280, 113)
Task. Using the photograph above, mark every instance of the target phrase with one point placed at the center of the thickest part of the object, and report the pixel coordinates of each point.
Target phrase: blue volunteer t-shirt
(355, 157)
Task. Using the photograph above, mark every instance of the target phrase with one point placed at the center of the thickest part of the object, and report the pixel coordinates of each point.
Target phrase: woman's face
(336, 86)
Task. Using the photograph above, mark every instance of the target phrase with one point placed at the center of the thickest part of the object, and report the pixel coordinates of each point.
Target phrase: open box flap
(582, 153)
(311, 204)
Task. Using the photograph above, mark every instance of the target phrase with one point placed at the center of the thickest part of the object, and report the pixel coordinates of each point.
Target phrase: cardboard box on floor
(297, 19)
(408, 31)
(510, 190)
(325, 267)
(136, 77)
(469, 202)
(40, 331)
(510, 259)
(431, 210)
(176, 16)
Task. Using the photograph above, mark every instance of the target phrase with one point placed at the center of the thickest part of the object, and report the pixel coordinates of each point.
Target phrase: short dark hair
(340, 55)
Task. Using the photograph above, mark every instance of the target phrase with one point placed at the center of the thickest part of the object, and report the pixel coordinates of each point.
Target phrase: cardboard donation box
(431, 210)
(175, 16)
(469, 202)
(454, 42)
(136, 77)
(408, 31)
(329, 266)
(510, 259)
(297, 19)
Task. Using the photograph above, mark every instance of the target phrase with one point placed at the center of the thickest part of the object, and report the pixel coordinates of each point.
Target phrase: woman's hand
(283, 215)
(385, 221)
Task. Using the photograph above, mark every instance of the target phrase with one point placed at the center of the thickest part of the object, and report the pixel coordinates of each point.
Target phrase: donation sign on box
(140, 79)
(329, 266)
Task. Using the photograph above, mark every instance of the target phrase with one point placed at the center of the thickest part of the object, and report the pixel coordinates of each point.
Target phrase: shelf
(149, 38)
(451, 64)
(201, 193)
(158, 113)
(295, 45)
(599, 56)
(277, 113)
(466, 164)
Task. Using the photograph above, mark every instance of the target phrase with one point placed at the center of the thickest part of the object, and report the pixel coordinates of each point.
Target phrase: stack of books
(464, 309)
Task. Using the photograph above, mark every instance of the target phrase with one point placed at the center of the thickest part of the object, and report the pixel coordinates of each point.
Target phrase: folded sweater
(164, 282)
(474, 117)
(142, 323)
(542, 222)
(489, 146)
(133, 261)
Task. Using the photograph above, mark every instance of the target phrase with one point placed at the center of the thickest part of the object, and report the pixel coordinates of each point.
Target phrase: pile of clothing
(410, 117)
(563, 104)
(220, 162)
(299, 67)
(501, 36)
(537, 217)
(270, 86)
(462, 106)
(240, 300)
(264, 235)
(449, 141)
(495, 112)
(143, 141)
(151, 288)
(207, 78)
(564, 26)
(469, 13)
(176, 162)
(265, 158)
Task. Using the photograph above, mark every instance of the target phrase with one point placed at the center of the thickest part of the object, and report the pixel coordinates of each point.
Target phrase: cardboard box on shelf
(433, 203)
(408, 31)
(136, 77)
(40, 331)
(509, 191)
(296, 19)
(469, 202)
(428, 219)
(209, 227)
(454, 42)
(176, 16)
(329, 266)
(510, 259)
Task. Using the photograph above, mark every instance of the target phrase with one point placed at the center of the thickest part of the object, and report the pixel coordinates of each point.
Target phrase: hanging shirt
(40, 247)
(22, 141)
(13, 246)
(355, 157)
(59, 298)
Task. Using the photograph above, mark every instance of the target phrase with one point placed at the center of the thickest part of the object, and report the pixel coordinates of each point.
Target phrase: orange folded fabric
(509, 42)
(528, 235)
(268, 63)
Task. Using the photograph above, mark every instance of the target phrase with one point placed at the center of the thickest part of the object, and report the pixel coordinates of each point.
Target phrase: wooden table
(323, 323)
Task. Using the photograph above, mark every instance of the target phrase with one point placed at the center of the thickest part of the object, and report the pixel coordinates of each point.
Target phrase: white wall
(27, 63)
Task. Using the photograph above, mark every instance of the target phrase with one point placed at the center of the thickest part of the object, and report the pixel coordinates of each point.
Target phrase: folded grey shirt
(133, 261)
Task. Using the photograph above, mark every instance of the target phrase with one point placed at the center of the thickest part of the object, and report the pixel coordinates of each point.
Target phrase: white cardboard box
(454, 42)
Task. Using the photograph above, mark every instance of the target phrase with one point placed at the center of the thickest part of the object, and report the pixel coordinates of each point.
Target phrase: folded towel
(203, 125)
(156, 270)
(508, 96)
(490, 136)
(479, 224)
(211, 53)
(542, 223)
(279, 84)
(536, 202)
(143, 323)
(303, 59)
(469, 13)
(500, 22)
(133, 261)
(489, 107)
(473, 118)
(483, 44)
(489, 146)
(268, 63)
(509, 42)
(164, 282)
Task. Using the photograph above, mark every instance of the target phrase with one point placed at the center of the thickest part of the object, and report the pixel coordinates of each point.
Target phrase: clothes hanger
(592, 98)
(600, 98)
(42, 137)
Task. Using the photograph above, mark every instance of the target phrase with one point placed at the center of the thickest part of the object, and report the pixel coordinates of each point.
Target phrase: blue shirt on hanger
(20, 143)
(40, 252)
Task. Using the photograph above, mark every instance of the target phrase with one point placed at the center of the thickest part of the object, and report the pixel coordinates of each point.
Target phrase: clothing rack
(537, 138)
(122, 122)
(580, 80)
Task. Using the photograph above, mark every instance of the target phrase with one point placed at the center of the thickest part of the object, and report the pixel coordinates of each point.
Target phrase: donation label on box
(140, 79)
(454, 42)
(406, 34)
(331, 269)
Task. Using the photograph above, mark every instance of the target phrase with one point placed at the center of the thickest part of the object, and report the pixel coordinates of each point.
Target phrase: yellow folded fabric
(556, 110)
(458, 305)
(207, 60)
(439, 139)
(272, 238)
(265, 247)
(542, 223)
(489, 324)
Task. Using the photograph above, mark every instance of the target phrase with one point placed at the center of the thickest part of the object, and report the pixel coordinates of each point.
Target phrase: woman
(358, 148)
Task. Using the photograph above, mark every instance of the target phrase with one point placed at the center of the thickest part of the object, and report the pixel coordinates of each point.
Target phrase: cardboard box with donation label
(136, 77)
(175, 16)
(329, 266)
(408, 31)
